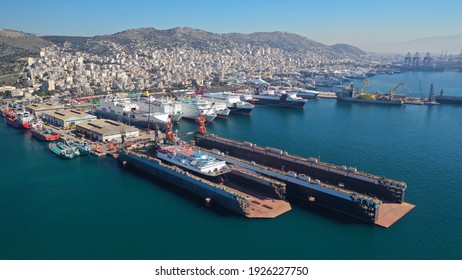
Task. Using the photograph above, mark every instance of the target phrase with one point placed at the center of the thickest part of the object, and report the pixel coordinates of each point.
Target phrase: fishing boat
(83, 148)
(61, 150)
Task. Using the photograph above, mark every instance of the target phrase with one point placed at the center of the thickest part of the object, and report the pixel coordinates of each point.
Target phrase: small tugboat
(97, 151)
(61, 150)
(83, 148)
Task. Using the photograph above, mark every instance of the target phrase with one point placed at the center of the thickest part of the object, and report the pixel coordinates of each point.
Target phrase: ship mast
(149, 113)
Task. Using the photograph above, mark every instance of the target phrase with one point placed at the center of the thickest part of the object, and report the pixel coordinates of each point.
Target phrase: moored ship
(45, 134)
(445, 99)
(307, 94)
(62, 150)
(347, 94)
(193, 160)
(273, 99)
(227, 194)
(232, 101)
(121, 109)
(21, 119)
(192, 107)
(13, 120)
(206, 176)
(165, 105)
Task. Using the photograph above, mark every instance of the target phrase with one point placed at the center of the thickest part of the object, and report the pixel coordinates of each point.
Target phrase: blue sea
(89, 208)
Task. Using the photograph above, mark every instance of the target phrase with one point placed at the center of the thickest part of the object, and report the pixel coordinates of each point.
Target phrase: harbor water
(90, 208)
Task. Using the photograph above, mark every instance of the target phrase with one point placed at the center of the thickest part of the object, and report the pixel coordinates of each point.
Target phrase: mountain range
(200, 39)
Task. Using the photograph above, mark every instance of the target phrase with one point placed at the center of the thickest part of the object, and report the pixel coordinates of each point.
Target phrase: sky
(360, 23)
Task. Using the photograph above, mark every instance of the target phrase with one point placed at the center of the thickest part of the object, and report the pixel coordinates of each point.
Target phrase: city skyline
(363, 24)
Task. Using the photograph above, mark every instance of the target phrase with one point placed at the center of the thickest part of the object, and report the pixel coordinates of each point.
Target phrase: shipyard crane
(392, 91)
(199, 90)
(366, 82)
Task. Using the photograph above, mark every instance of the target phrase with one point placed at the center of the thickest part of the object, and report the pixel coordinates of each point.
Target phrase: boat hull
(45, 137)
(278, 102)
(451, 100)
(317, 194)
(13, 123)
(241, 111)
(334, 175)
(370, 101)
(181, 179)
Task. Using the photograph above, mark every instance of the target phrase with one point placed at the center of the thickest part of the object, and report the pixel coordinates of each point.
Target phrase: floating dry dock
(343, 189)
(232, 194)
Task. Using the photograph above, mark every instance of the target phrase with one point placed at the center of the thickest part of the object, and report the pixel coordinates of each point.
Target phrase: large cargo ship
(347, 94)
(228, 194)
(344, 189)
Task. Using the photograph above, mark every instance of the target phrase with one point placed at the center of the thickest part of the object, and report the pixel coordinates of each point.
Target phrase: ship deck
(389, 213)
(261, 206)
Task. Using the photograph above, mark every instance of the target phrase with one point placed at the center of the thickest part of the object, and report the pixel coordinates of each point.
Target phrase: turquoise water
(89, 208)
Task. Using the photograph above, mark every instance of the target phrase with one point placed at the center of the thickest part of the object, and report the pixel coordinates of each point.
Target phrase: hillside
(200, 39)
(349, 49)
(14, 46)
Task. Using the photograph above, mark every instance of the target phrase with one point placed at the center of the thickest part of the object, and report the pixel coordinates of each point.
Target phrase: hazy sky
(327, 21)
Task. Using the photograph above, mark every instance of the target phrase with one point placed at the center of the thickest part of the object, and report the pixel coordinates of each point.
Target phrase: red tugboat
(25, 119)
(12, 119)
(19, 119)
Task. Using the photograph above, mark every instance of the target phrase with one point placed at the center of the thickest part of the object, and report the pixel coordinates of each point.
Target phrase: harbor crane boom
(366, 82)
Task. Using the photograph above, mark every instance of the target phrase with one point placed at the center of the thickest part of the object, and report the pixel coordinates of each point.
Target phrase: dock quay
(108, 148)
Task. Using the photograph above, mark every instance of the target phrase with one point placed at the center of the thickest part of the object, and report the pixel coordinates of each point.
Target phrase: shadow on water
(196, 200)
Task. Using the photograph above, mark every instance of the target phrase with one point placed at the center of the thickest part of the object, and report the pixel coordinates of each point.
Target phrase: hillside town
(124, 69)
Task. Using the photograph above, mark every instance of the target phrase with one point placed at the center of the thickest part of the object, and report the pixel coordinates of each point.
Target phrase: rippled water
(89, 208)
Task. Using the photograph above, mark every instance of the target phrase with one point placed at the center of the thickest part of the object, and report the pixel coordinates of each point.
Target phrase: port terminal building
(67, 118)
(107, 130)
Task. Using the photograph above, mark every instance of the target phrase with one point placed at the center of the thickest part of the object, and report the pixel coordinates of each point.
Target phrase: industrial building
(38, 108)
(68, 118)
(107, 130)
